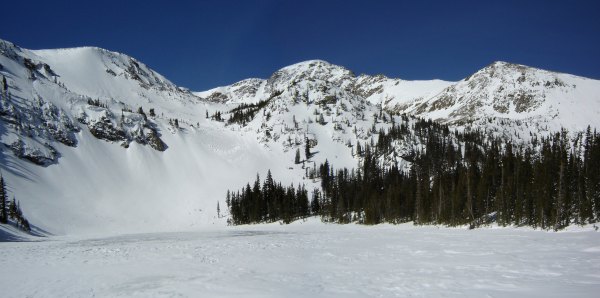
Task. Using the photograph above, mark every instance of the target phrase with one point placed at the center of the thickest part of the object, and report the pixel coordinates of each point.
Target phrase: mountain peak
(312, 70)
(309, 64)
(499, 63)
(502, 70)
(496, 65)
(312, 66)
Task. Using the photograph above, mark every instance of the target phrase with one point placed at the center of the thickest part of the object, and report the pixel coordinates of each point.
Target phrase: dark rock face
(105, 130)
(153, 139)
(34, 155)
(134, 127)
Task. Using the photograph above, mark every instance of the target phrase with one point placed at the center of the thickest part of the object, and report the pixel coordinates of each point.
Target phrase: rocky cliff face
(47, 97)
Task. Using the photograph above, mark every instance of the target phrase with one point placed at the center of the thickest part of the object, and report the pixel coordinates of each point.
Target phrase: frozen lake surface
(308, 260)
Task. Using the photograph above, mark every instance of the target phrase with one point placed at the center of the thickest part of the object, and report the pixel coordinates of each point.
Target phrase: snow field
(309, 259)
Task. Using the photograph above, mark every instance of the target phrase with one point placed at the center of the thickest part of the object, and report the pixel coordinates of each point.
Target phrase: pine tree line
(97, 103)
(550, 187)
(463, 178)
(244, 113)
(268, 201)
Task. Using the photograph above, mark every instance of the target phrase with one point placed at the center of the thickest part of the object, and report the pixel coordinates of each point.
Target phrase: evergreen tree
(297, 158)
(3, 207)
(315, 205)
(25, 225)
(307, 148)
(321, 120)
(141, 112)
(12, 209)
(228, 199)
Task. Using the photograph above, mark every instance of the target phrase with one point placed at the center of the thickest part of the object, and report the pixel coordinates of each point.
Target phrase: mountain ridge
(119, 150)
(515, 92)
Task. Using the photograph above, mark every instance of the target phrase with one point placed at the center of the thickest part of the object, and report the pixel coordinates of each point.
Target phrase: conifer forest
(460, 178)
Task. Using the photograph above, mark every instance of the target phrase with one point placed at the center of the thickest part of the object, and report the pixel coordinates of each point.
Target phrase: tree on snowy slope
(141, 112)
(297, 158)
(307, 148)
(13, 210)
(16, 214)
(3, 211)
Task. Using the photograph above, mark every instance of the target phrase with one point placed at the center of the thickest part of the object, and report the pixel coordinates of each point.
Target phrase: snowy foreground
(309, 259)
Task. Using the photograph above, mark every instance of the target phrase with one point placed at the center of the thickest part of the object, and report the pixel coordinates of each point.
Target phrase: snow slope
(397, 93)
(102, 74)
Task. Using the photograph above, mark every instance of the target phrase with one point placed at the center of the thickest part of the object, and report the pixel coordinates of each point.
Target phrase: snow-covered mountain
(80, 156)
(95, 140)
(48, 91)
(320, 103)
(375, 89)
(500, 97)
(511, 99)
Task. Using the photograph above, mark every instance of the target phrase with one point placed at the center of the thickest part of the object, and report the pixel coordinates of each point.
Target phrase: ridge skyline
(308, 61)
(195, 49)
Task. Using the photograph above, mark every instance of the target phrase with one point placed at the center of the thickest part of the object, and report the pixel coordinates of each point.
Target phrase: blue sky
(204, 44)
